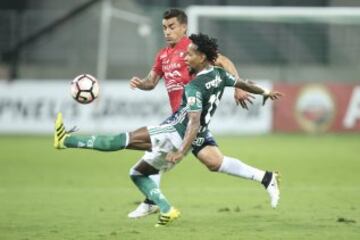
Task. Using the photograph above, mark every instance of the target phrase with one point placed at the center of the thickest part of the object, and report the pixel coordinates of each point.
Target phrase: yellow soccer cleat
(166, 218)
(60, 133)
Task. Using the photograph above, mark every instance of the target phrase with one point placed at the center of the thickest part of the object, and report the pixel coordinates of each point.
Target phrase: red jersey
(170, 65)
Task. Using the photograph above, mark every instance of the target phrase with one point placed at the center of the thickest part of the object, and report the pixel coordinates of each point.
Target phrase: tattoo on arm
(192, 129)
(249, 87)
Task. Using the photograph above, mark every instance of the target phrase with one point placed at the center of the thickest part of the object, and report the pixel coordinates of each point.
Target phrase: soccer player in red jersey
(170, 65)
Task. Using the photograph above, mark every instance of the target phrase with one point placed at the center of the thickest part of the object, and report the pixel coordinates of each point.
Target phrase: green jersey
(203, 95)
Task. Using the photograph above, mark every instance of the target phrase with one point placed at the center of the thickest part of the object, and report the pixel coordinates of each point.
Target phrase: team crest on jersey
(194, 102)
(191, 101)
(182, 54)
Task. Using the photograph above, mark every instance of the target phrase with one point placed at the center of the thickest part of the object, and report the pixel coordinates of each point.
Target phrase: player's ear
(184, 27)
(203, 57)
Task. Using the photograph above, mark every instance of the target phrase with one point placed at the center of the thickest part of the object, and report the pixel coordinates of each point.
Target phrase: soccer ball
(84, 88)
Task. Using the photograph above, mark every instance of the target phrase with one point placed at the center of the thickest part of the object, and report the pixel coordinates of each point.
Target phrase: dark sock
(266, 179)
(148, 201)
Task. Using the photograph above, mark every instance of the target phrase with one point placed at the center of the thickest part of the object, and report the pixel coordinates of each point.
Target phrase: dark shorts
(204, 139)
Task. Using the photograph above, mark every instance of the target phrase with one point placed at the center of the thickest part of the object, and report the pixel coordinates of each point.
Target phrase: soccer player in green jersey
(169, 65)
(167, 144)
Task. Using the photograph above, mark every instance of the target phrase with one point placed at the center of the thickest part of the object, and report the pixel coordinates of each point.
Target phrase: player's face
(194, 59)
(173, 30)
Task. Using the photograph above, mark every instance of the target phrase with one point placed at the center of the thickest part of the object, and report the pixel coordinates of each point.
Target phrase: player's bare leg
(212, 157)
(139, 140)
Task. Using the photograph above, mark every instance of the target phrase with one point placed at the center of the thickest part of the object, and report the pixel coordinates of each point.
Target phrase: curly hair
(206, 45)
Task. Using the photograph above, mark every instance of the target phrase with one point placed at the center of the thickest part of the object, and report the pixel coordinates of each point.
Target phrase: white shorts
(164, 139)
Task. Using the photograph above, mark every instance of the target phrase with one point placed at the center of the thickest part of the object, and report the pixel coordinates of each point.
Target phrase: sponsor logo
(315, 108)
(164, 55)
(156, 193)
(90, 142)
(213, 83)
(170, 66)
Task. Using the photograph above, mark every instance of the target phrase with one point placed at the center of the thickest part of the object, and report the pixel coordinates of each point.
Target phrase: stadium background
(311, 135)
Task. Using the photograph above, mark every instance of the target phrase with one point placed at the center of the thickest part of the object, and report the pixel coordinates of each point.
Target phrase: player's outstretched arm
(192, 129)
(241, 97)
(148, 83)
(252, 88)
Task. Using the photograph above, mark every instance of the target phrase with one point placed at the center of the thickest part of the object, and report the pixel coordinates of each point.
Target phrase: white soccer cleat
(273, 189)
(143, 210)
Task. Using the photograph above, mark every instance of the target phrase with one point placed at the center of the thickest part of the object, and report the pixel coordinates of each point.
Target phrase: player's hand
(273, 95)
(243, 98)
(135, 82)
(174, 157)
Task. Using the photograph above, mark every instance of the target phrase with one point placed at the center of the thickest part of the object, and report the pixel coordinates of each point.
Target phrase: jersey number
(214, 102)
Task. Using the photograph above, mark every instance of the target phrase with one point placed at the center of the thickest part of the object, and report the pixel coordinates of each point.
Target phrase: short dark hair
(175, 12)
(206, 45)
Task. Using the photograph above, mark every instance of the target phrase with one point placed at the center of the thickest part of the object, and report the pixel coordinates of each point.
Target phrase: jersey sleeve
(193, 98)
(157, 65)
(230, 79)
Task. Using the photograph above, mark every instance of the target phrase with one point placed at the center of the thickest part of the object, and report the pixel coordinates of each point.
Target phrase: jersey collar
(183, 41)
(205, 71)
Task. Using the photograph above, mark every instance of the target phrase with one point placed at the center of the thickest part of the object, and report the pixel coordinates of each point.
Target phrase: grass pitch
(72, 194)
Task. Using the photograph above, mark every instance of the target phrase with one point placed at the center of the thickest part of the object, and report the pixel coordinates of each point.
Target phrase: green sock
(149, 188)
(98, 142)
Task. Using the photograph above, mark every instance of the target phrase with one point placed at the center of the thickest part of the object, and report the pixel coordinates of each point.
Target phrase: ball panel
(74, 89)
(85, 97)
(85, 83)
(95, 89)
